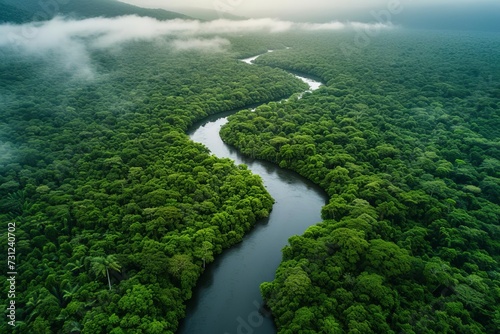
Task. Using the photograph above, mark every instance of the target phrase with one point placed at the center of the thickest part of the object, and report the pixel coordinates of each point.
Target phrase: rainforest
(116, 218)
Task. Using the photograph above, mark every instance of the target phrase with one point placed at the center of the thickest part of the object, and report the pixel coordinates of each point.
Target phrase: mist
(107, 32)
(69, 42)
(422, 14)
(214, 45)
(6, 148)
(5, 153)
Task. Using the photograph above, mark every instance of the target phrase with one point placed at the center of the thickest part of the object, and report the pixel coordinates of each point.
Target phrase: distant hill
(12, 14)
(20, 11)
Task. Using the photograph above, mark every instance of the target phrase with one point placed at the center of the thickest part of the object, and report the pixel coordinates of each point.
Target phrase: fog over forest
(443, 14)
(69, 41)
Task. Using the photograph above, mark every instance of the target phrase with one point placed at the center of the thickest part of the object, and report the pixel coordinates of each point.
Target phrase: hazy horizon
(441, 14)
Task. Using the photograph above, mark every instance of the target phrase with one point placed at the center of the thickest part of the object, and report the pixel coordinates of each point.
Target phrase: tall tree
(101, 265)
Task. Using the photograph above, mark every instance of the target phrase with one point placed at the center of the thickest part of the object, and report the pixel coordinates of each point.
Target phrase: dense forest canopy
(22, 11)
(118, 213)
(103, 183)
(406, 142)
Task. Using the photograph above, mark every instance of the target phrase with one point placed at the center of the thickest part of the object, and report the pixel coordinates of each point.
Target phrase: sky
(278, 8)
(453, 14)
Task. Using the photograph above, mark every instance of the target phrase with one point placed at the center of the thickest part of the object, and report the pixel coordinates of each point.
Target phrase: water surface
(227, 298)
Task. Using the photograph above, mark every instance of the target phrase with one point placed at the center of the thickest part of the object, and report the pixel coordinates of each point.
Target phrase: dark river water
(227, 298)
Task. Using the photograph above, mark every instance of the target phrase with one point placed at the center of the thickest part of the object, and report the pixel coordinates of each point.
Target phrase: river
(227, 298)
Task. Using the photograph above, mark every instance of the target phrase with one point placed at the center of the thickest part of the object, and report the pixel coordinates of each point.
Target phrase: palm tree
(76, 266)
(31, 308)
(100, 266)
(76, 327)
(69, 292)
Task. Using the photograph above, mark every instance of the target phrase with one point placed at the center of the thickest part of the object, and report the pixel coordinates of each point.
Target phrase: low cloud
(213, 45)
(70, 40)
(6, 150)
(323, 26)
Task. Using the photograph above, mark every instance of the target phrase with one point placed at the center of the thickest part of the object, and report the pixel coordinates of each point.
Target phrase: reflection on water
(227, 299)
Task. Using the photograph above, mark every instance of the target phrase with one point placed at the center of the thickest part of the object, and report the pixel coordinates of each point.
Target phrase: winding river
(227, 299)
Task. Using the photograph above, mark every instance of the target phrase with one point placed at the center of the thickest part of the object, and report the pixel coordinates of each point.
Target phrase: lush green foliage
(21, 11)
(113, 8)
(117, 211)
(406, 143)
(10, 13)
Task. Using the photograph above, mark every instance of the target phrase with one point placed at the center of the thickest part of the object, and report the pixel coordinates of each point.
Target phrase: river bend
(227, 297)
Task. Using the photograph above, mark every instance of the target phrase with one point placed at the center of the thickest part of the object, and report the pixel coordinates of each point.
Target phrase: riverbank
(228, 297)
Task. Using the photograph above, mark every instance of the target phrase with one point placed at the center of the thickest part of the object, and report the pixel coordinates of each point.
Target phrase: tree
(205, 252)
(331, 326)
(297, 282)
(137, 300)
(101, 265)
(349, 244)
(387, 258)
